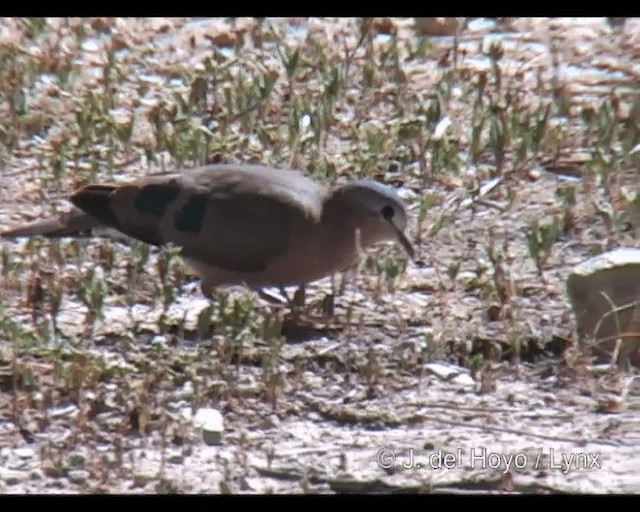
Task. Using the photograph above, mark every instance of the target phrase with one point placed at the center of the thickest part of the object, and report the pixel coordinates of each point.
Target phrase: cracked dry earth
(410, 387)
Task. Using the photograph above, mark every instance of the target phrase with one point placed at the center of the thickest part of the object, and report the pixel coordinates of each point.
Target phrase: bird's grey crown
(375, 196)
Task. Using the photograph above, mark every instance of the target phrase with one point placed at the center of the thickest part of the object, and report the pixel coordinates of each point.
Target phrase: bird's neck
(348, 223)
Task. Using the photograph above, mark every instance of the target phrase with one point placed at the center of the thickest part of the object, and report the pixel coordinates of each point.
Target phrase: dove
(239, 224)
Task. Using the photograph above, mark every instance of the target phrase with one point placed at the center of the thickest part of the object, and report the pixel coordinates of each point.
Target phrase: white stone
(24, 453)
(11, 476)
(443, 370)
(212, 424)
(464, 379)
(59, 412)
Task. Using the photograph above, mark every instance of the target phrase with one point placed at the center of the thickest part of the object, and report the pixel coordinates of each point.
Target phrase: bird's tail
(74, 223)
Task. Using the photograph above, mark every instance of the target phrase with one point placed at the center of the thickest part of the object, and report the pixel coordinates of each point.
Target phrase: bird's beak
(404, 241)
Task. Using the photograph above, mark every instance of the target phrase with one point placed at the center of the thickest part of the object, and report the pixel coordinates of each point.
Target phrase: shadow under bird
(248, 225)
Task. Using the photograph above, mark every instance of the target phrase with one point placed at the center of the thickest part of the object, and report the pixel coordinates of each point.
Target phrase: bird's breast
(315, 256)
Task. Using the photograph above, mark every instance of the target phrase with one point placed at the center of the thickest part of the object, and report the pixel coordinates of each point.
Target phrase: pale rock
(78, 476)
(211, 423)
(11, 476)
(464, 379)
(60, 412)
(442, 370)
(604, 292)
(24, 453)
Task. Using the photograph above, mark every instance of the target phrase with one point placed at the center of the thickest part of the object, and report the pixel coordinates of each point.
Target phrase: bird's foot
(298, 309)
(295, 304)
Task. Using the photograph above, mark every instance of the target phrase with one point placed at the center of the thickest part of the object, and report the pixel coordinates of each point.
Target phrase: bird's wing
(234, 217)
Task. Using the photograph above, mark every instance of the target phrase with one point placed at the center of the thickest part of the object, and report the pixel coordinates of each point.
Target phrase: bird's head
(382, 213)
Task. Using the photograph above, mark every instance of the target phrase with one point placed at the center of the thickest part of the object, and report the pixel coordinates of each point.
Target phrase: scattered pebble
(464, 379)
(12, 477)
(60, 412)
(442, 370)
(78, 476)
(141, 479)
(90, 45)
(273, 420)
(211, 423)
(24, 453)
(176, 458)
(467, 277)
(159, 340)
(535, 174)
(186, 391)
(187, 413)
(441, 128)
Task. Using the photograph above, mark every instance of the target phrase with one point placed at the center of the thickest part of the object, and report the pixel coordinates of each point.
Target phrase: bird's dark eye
(387, 212)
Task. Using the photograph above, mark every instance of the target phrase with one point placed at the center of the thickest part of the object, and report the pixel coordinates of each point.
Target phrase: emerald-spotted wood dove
(241, 224)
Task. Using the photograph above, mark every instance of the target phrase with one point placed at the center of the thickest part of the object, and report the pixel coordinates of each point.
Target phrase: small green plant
(14, 330)
(566, 194)
(90, 290)
(33, 27)
(166, 288)
(540, 240)
(272, 374)
(502, 282)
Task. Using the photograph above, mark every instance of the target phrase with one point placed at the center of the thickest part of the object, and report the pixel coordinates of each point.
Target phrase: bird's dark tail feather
(74, 223)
